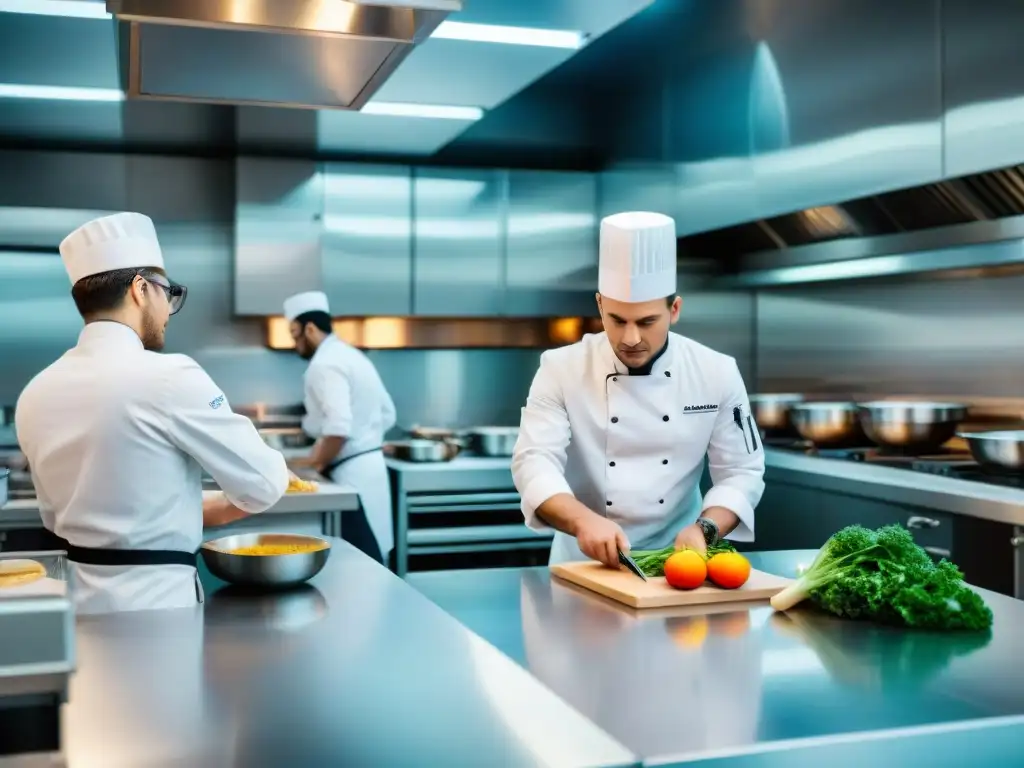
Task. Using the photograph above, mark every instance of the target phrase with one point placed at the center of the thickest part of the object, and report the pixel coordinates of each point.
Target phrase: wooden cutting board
(627, 588)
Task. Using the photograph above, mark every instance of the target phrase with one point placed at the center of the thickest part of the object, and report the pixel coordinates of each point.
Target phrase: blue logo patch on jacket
(217, 402)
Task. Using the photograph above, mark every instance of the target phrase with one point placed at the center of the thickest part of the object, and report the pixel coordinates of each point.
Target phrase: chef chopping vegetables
(616, 427)
(117, 435)
(348, 411)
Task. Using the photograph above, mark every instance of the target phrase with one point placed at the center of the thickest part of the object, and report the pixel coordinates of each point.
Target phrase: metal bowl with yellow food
(272, 560)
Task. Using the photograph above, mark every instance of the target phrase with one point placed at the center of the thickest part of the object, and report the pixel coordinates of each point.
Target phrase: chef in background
(117, 435)
(616, 427)
(348, 412)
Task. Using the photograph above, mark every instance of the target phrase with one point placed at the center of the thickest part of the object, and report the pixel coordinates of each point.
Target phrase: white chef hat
(301, 303)
(637, 257)
(120, 241)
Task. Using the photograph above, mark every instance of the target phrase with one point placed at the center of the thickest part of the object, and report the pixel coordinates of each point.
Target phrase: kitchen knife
(628, 561)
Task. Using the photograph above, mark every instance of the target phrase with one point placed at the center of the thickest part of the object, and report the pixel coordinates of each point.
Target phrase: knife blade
(628, 561)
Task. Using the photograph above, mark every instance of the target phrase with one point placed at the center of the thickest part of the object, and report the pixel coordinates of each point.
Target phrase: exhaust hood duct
(307, 54)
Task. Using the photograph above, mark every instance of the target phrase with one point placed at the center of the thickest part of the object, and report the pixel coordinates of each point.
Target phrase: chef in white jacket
(348, 411)
(616, 427)
(117, 435)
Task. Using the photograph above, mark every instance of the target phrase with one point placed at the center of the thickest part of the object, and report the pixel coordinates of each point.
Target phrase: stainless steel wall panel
(367, 239)
(983, 85)
(552, 244)
(459, 242)
(938, 337)
(278, 227)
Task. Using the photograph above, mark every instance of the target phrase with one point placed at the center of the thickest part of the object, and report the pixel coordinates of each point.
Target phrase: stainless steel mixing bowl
(910, 426)
(828, 425)
(494, 441)
(1003, 449)
(771, 411)
(264, 570)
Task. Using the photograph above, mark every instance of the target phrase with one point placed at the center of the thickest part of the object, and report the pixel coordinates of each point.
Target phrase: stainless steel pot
(423, 450)
(911, 426)
(264, 570)
(1003, 449)
(828, 425)
(771, 412)
(494, 441)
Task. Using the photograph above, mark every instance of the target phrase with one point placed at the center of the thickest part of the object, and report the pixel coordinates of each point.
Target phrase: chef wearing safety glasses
(616, 427)
(117, 435)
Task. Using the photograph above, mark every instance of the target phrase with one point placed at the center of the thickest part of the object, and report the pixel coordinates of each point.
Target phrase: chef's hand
(601, 539)
(692, 537)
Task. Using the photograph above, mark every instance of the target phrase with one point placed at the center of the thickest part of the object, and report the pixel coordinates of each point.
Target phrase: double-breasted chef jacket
(344, 396)
(632, 447)
(117, 438)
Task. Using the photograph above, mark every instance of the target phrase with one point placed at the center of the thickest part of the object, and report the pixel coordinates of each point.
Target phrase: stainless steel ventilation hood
(313, 54)
(970, 222)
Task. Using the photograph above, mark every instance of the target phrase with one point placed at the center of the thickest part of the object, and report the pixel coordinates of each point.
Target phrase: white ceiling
(75, 52)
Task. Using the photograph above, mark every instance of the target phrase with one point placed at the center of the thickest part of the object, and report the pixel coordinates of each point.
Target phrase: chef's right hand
(601, 539)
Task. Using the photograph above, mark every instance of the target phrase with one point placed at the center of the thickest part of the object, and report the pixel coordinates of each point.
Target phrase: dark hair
(319, 319)
(670, 300)
(106, 291)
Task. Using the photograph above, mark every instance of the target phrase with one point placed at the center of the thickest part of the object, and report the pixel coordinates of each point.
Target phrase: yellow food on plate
(279, 549)
(17, 573)
(298, 485)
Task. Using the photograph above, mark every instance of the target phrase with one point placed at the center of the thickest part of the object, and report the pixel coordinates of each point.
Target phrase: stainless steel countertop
(902, 486)
(357, 669)
(691, 684)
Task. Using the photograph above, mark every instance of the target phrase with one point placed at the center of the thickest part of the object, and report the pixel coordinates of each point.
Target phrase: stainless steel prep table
(356, 668)
(686, 684)
(476, 491)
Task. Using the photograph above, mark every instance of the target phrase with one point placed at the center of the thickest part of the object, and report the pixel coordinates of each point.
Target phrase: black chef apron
(130, 557)
(355, 528)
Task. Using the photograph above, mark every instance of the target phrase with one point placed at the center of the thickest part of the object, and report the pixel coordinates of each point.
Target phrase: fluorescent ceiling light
(79, 9)
(437, 111)
(491, 33)
(59, 93)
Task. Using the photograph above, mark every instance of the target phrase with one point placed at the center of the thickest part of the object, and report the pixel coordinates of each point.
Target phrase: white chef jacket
(117, 438)
(633, 447)
(345, 397)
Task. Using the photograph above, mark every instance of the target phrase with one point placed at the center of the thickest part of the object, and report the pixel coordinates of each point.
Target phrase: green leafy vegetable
(884, 576)
(652, 561)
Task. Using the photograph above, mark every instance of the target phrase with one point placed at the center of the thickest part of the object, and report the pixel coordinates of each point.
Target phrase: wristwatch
(710, 529)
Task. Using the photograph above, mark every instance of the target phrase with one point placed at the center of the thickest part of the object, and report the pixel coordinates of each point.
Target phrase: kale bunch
(883, 576)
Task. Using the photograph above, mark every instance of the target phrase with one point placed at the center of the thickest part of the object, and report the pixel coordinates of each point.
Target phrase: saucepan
(910, 426)
(828, 425)
(421, 450)
(771, 412)
(1001, 450)
(494, 441)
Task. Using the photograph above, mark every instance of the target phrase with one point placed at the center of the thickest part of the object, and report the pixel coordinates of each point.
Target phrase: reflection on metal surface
(437, 333)
(313, 54)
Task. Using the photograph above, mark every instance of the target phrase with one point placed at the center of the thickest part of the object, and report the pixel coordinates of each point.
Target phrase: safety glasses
(175, 293)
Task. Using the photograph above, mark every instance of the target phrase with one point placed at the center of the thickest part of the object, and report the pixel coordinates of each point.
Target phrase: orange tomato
(728, 570)
(685, 570)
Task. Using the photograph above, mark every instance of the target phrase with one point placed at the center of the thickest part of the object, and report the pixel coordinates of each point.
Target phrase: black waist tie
(326, 471)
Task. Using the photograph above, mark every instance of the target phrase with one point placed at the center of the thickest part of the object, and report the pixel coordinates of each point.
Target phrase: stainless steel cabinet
(277, 232)
(367, 239)
(458, 242)
(551, 245)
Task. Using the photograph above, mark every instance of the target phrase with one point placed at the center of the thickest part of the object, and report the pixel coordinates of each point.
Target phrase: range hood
(968, 222)
(313, 54)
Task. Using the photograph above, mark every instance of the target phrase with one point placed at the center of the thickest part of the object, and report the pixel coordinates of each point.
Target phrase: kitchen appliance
(423, 450)
(624, 587)
(772, 412)
(264, 570)
(910, 426)
(1003, 449)
(37, 655)
(828, 424)
(494, 441)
